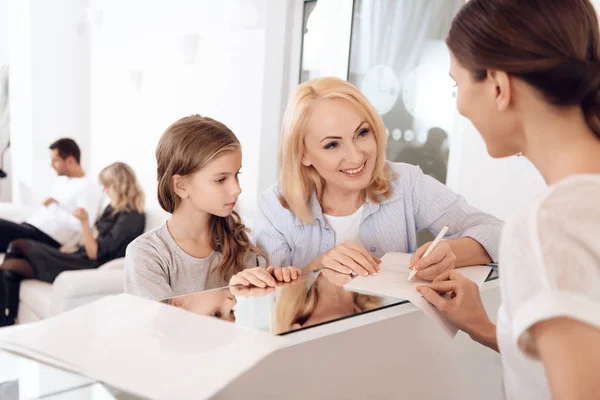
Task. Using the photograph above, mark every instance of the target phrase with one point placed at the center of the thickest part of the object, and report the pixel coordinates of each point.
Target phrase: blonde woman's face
(340, 145)
(215, 188)
(328, 311)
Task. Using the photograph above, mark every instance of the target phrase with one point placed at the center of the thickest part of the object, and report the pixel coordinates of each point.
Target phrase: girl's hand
(250, 291)
(265, 277)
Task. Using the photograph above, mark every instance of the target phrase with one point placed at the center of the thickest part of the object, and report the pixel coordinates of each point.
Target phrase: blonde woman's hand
(441, 259)
(349, 257)
(265, 277)
(335, 277)
(81, 214)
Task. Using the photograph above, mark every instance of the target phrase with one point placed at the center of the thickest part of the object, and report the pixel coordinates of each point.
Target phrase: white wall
(280, 32)
(238, 68)
(497, 186)
(6, 183)
(19, 26)
(3, 31)
(76, 71)
(49, 85)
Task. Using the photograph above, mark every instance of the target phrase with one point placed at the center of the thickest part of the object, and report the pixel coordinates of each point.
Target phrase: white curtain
(393, 32)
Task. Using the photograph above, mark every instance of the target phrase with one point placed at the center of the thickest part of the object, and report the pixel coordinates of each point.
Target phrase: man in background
(54, 223)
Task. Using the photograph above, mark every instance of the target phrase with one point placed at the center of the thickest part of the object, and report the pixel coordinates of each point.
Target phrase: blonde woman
(341, 205)
(298, 306)
(121, 222)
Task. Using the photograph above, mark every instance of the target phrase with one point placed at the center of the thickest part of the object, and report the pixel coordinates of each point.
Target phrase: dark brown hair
(553, 45)
(67, 147)
(187, 146)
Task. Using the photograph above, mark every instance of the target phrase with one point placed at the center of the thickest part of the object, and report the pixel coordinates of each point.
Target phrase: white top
(346, 227)
(57, 220)
(550, 267)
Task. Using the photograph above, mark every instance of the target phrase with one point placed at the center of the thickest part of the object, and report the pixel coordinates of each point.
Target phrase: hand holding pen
(432, 258)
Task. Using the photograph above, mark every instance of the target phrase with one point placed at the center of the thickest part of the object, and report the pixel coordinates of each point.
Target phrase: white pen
(437, 239)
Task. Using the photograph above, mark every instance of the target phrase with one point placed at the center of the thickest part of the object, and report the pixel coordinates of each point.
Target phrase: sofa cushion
(37, 295)
(27, 315)
(114, 265)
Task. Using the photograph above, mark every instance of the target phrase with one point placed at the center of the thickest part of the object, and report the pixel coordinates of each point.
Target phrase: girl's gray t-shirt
(157, 268)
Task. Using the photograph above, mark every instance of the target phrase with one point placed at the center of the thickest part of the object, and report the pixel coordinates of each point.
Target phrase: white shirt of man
(57, 220)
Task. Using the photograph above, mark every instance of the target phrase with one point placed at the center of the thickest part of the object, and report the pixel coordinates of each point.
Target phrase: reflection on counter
(316, 298)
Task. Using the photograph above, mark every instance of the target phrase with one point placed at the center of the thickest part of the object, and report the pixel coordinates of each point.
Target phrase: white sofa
(39, 300)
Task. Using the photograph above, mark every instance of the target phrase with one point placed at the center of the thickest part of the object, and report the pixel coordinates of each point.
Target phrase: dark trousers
(10, 231)
(10, 285)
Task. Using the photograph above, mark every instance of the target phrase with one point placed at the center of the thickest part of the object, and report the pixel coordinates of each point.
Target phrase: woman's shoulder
(270, 200)
(270, 208)
(402, 178)
(566, 212)
(577, 190)
(403, 172)
(109, 212)
(572, 202)
(272, 193)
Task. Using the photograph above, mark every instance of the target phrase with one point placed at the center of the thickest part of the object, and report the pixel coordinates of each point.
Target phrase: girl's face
(215, 303)
(340, 145)
(215, 188)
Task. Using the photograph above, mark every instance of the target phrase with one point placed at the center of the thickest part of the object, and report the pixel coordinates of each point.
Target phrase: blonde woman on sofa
(121, 222)
(340, 205)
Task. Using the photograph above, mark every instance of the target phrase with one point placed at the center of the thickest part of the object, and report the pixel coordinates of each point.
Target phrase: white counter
(395, 353)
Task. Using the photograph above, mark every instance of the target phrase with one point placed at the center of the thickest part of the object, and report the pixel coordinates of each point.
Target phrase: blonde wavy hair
(298, 182)
(295, 304)
(186, 147)
(124, 190)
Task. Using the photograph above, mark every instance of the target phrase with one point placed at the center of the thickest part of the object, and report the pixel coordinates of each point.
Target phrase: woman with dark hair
(528, 77)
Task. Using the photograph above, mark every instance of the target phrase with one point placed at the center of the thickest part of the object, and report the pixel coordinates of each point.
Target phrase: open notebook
(391, 281)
